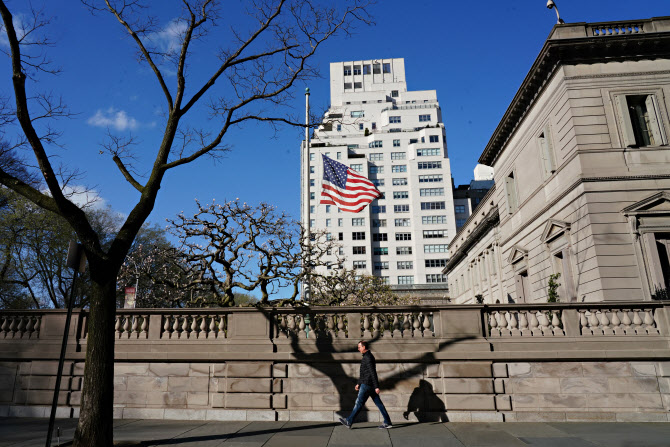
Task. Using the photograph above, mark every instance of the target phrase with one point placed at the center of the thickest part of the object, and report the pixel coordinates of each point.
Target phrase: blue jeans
(365, 391)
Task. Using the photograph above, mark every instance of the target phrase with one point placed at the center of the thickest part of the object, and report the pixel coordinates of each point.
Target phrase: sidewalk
(28, 432)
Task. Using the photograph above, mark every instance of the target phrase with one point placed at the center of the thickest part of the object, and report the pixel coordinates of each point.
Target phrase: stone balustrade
(616, 29)
(505, 362)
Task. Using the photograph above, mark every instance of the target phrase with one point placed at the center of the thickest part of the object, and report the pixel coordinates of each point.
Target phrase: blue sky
(475, 54)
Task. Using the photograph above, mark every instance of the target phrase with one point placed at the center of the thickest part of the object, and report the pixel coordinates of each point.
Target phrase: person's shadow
(425, 404)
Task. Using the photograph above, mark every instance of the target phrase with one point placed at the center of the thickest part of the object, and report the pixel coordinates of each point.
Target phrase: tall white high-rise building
(396, 138)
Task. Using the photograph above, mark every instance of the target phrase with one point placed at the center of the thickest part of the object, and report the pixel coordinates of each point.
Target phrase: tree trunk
(97, 398)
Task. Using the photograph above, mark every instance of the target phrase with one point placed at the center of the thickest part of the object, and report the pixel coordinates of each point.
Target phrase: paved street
(31, 432)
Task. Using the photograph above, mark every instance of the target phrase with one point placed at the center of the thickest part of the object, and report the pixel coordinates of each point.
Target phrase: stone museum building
(396, 138)
(582, 175)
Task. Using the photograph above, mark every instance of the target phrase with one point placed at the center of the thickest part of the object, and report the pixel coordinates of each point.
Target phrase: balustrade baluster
(176, 327)
(637, 323)
(167, 327)
(145, 326)
(117, 326)
(340, 326)
(593, 323)
(534, 324)
(502, 324)
(5, 326)
(523, 324)
(302, 326)
(650, 326)
(291, 325)
(493, 323)
(616, 323)
(184, 327)
(134, 327)
(556, 324)
(38, 323)
(583, 323)
(22, 326)
(396, 326)
(126, 326)
(427, 332)
(330, 324)
(203, 327)
(366, 327)
(417, 326)
(212, 327)
(605, 322)
(375, 326)
(194, 327)
(407, 326)
(627, 323)
(30, 327)
(513, 324)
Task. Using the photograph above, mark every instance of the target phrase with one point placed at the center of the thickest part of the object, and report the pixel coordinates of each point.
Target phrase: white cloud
(168, 40)
(117, 119)
(83, 197)
(19, 28)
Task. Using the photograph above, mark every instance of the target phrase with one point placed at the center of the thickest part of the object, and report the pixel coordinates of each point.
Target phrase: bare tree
(261, 64)
(236, 246)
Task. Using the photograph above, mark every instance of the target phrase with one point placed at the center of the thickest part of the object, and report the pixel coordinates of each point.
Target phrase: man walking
(368, 386)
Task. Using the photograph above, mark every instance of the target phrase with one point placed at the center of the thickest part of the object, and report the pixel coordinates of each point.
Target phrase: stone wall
(452, 368)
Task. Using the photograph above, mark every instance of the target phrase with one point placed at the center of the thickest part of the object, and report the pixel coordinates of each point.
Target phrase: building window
(374, 126)
(366, 69)
(460, 222)
(427, 192)
(402, 222)
(360, 126)
(339, 127)
(357, 167)
(396, 143)
(400, 194)
(424, 118)
(359, 250)
(394, 93)
(405, 265)
(339, 155)
(340, 222)
(357, 69)
(327, 208)
(399, 181)
(312, 223)
(377, 156)
(311, 169)
(640, 120)
(433, 205)
(378, 222)
(403, 250)
(510, 190)
(399, 168)
(378, 209)
(311, 156)
(375, 144)
(429, 165)
(358, 236)
(357, 114)
(327, 222)
(436, 262)
(387, 68)
(381, 265)
(378, 182)
(311, 182)
(435, 248)
(459, 209)
(398, 155)
(403, 236)
(329, 236)
(311, 209)
(434, 139)
(358, 221)
(376, 69)
(546, 145)
(347, 70)
(428, 234)
(428, 151)
(394, 119)
(401, 208)
(347, 85)
(340, 236)
(311, 196)
(435, 277)
(359, 265)
(405, 280)
(380, 251)
(358, 85)
(432, 220)
(376, 169)
(380, 237)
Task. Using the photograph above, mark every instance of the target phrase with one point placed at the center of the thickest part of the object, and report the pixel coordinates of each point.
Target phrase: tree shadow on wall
(423, 400)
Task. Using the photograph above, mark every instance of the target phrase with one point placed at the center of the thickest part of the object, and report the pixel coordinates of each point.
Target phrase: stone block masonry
(441, 373)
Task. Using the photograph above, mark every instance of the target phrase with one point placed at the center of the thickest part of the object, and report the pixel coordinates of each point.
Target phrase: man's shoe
(386, 426)
(345, 423)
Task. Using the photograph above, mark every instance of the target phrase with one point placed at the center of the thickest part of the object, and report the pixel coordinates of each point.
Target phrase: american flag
(344, 188)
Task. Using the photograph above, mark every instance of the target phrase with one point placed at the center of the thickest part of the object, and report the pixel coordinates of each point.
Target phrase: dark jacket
(368, 373)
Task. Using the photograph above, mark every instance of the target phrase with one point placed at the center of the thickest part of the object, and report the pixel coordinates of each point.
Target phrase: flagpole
(309, 207)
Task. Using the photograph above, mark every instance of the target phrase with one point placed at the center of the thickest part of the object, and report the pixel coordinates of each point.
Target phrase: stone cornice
(557, 52)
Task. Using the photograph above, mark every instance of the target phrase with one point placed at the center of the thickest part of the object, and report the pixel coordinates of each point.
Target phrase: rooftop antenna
(552, 5)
